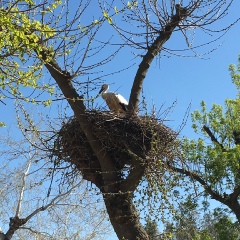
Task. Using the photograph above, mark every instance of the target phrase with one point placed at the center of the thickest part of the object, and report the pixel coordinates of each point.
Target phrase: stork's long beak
(99, 93)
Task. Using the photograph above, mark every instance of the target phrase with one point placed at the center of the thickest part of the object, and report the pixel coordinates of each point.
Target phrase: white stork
(116, 102)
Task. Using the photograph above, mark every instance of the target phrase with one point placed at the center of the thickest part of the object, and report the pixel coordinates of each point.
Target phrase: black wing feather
(123, 106)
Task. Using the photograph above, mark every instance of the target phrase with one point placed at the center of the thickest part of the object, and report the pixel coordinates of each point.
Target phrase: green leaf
(105, 14)
(116, 10)
(2, 124)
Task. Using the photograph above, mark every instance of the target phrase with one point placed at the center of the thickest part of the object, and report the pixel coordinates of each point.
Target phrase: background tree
(186, 218)
(38, 209)
(67, 48)
(213, 159)
(152, 229)
(222, 226)
(213, 224)
(20, 32)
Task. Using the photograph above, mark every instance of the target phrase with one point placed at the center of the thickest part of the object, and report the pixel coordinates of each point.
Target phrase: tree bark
(14, 225)
(122, 212)
(236, 209)
(124, 216)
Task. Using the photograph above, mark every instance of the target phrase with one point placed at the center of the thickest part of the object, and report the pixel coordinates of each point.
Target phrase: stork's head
(103, 89)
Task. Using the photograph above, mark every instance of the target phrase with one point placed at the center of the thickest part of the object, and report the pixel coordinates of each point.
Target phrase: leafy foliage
(152, 229)
(213, 160)
(21, 37)
(190, 224)
(221, 156)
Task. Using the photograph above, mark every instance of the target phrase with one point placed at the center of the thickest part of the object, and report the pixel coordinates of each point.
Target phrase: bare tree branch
(16, 222)
(53, 202)
(152, 52)
(23, 187)
(195, 176)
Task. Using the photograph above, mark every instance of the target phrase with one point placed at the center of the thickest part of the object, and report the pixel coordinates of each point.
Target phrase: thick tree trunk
(235, 207)
(14, 225)
(122, 213)
(124, 217)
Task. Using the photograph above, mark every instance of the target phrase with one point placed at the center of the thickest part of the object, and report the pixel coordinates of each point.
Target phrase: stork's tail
(123, 106)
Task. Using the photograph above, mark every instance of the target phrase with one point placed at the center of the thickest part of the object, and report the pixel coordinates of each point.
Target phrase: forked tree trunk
(122, 213)
(124, 217)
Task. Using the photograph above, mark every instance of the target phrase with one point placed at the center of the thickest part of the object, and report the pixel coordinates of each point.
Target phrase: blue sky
(187, 80)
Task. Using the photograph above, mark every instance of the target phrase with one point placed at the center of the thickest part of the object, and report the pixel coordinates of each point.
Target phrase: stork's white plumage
(116, 102)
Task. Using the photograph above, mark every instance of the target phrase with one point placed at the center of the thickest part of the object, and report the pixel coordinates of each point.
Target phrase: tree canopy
(212, 160)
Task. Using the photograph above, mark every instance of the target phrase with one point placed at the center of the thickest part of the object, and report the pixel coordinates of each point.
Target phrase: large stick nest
(123, 139)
